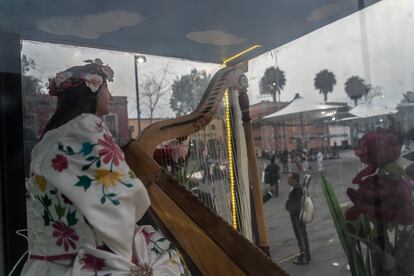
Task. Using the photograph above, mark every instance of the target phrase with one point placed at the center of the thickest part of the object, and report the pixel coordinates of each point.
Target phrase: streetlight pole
(138, 59)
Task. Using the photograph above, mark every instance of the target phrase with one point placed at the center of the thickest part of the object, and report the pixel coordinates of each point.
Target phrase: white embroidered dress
(86, 203)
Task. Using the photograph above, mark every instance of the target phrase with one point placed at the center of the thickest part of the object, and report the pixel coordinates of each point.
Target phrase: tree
(324, 81)
(153, 88)
(273, 82)
(187, 91)
(31, 86)
(356, 87)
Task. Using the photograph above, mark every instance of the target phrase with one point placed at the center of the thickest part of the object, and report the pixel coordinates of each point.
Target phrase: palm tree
(273, 82)
(324, 81)
(356, 87)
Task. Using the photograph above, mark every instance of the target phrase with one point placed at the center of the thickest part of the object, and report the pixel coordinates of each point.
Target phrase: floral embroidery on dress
(41, 183)
(108, 178)
(59, 215)
(60, 163)
(66, 235)
(90, 262)
(109, 153)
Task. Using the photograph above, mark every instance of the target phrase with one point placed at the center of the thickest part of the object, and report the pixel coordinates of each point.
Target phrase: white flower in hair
(93, 81)
(62, 77)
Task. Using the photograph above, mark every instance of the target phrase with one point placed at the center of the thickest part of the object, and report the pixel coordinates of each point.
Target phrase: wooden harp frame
(213, 246)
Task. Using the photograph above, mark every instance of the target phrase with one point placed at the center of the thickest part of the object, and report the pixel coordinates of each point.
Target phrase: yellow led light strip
(230, 156)
(241, 53)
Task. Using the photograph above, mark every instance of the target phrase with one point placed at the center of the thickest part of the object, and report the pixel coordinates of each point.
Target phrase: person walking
(272, 176)
(319, 160)
(294, 207)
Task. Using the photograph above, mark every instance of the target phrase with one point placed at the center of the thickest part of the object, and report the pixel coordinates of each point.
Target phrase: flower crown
(93, 75)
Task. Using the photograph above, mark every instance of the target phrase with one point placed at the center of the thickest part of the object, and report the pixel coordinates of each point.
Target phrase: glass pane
(333, 101)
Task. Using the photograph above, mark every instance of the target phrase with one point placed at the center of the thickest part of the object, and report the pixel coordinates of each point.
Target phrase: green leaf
(69, 150)
(132, 175)
(128, 185)
(111, 195)
(46, 218)
(156, 251)
(86, 167)
(103, 199)
(71, 218)
(387, 261)
(84, 181)
(348, 245)
(91, 158)
(98, 164)
(395, 170)
(53, 191)
(161, 239)
(86, 148)
(116, 202)
(46, 201)
(60, 211)
(60, 147)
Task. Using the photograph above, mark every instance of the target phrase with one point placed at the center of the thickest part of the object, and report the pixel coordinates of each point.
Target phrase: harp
(207, 241)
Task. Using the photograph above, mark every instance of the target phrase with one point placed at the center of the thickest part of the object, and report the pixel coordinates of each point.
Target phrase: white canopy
(372, 109)
(302, 105)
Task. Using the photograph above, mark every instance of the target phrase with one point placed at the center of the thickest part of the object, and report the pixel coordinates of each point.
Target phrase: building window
(111, 122)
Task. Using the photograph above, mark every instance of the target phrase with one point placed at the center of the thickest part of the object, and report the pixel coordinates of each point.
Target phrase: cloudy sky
(376, 44)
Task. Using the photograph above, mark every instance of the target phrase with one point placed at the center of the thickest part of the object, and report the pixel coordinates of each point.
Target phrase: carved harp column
(253, 169)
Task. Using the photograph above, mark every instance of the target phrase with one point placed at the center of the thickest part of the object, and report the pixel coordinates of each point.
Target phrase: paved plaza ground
(326, 251)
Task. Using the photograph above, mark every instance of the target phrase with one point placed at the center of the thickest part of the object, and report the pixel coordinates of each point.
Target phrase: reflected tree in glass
(187, 91)
(324, 81)
(355, 88)
(273, 82)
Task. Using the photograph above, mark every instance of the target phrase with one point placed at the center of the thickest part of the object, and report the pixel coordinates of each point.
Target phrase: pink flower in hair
(93, 81)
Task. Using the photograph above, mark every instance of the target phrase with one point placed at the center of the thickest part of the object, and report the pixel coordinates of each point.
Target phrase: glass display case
(330, 106)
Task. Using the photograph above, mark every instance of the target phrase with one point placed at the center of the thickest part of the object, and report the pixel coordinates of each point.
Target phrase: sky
(376, 44)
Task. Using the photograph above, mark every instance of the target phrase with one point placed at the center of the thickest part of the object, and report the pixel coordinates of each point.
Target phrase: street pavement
(326, 251)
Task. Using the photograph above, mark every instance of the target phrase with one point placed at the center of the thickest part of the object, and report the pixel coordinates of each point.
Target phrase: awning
(309, 108)
(367, 110)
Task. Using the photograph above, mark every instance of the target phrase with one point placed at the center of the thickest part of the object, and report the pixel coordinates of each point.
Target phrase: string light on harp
(230, 156)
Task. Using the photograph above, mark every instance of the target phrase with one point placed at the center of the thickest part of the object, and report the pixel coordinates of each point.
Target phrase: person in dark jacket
(284, 158)
(272, 176)
(294, 206)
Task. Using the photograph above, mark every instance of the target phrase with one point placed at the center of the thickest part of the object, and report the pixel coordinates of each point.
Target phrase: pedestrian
(305, 160)
(319, 160)
(85, 199)
(284, 159)
(272, 176)
(294, 206)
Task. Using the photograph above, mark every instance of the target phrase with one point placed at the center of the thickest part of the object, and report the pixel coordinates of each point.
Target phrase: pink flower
(93, 81)
(60, 163)
(110, 150)
(66, 235)
(147, 236)
(381, 197)
(179, 151)
(379, 147)
(93, 263)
